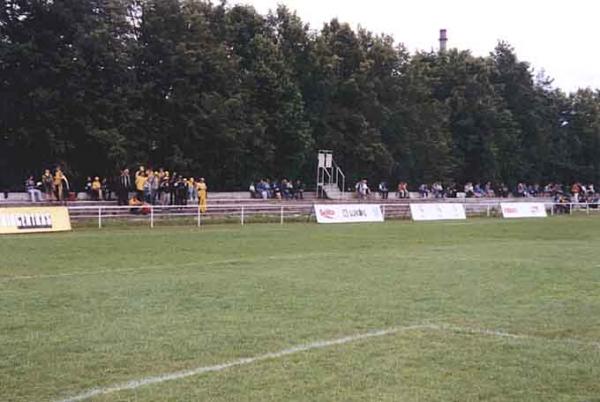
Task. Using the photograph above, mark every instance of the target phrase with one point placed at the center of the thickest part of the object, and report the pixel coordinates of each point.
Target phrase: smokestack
(443, 40)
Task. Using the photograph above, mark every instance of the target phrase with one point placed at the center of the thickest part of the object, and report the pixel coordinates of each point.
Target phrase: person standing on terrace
(202, 190)
(48, 184)
(60, 180)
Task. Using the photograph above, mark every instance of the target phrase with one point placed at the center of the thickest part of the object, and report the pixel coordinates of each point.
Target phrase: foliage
(224, 92)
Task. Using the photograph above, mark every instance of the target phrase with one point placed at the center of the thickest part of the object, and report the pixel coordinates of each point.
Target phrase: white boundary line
(134, 384)
(289, 257)
(235, 363)
(145, 268)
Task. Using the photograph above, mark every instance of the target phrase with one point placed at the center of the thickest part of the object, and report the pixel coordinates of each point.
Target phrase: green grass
(97, 307)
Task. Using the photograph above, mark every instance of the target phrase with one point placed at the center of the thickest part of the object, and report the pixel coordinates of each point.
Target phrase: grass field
(502, 311)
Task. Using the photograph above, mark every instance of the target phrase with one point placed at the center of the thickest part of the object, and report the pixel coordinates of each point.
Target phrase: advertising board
(437, 212)
(34, 220)
(348, 213)
(523, 210)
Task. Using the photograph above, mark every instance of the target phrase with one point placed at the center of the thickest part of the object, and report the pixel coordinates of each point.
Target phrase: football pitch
(485, 309)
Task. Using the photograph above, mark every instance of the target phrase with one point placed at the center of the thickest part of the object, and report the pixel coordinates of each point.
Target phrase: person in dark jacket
(123, 187)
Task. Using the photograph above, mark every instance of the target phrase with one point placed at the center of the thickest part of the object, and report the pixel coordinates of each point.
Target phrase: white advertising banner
(523, 210)
(437, 212)
(348, 213)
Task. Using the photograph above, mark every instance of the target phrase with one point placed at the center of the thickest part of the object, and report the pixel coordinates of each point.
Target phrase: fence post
(151, 216)
(198, 219)
(488, 210)
(570, 208)
(552, 209)
(587, 208)
(281, 217)
(242, 216)
(383, 210)
(99, 217)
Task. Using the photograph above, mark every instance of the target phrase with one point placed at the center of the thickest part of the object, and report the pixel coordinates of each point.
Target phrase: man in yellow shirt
(202, 189)
(59, 178)
(140, 181)
(97, 189)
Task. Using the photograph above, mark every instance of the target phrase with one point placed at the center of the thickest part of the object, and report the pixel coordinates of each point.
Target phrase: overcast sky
(558, 36)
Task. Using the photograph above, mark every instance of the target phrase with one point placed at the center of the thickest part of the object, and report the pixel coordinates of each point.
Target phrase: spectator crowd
(576, 193)
(161, 187)
(150, 187)
(284, 189)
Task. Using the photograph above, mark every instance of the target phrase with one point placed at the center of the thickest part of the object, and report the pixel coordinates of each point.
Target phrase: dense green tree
(225, 92)
(417, 131)
(64, 79)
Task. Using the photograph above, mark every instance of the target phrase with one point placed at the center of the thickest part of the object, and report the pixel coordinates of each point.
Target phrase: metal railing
(153, 215)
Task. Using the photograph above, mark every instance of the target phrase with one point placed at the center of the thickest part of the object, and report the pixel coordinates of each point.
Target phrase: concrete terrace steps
(308, 199)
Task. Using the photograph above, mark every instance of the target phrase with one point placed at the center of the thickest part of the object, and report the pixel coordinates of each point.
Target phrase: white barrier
(437, 212)
(282, 212)
(348, 213)
(523, 210)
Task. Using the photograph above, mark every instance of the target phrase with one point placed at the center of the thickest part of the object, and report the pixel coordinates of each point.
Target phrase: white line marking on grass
(159, 267)
(503, 334)
(107, 271)
(134, 384)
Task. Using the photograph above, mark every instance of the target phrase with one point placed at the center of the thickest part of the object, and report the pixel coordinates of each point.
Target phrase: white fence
(246, 213)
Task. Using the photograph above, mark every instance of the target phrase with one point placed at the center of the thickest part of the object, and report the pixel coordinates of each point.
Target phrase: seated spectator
(403, 190)
(269, 188)
(563, 204)
(591, 190)
(33, 190)
(469, 190)
(362, 189)
(383, 190)
(276, 189)
(138, 207)
(299, 190)
(287, 190)
(252, 190)
(438, 190)
(502, 190)
(478, 191)
(424, 190)
(488, 190)
(262, 190)
(88, 187)
(451, 191)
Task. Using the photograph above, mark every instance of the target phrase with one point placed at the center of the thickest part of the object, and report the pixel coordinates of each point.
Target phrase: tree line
(225, 92)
